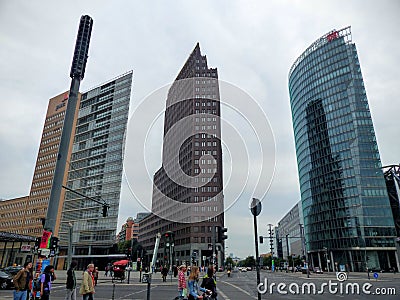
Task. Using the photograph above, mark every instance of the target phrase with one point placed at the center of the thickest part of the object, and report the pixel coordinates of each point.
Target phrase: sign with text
(25, 248)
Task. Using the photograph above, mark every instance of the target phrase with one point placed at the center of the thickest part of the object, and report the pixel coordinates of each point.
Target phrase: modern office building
(95, 168)
(95, 161)
(187, 191)
(289, 233)
(344, 198)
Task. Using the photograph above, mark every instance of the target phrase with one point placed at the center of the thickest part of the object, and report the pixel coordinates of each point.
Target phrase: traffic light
(105, 210)
(54, 242)
(168, 238)
(261, 239)
(37, 244)
(221, 234)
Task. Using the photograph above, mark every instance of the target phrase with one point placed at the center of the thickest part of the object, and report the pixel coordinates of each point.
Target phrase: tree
(249, 261)
(229, 262)
(124, 247)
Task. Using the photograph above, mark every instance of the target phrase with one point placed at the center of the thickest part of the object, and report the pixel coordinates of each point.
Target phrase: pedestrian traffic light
(221, 234)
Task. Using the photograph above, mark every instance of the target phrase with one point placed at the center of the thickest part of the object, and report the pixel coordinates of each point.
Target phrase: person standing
(21, 282)
(71, 282)
(182, 282)
(87, 286)
(96, 275)
(46, 279)
(210, 283)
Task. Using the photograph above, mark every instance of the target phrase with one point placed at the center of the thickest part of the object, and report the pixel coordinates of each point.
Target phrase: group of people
(25, 285)
(193, 290)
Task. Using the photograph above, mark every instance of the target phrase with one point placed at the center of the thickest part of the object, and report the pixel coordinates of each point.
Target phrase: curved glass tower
(347, 216)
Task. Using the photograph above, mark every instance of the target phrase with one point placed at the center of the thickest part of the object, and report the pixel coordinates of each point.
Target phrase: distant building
(130, 230)
(344, 198)
(289, 233)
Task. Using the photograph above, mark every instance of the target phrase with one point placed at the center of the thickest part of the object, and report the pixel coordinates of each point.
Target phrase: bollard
(112, 298)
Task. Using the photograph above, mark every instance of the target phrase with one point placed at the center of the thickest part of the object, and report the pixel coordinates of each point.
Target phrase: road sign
(376, 275)
(44, 252)
(255, 207)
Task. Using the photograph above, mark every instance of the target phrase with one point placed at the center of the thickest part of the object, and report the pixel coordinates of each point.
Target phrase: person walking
(71, 282)
(96, 275)
(87, 286)
(21, 282)
(182, 291)
(210, 283)
(164, 273)
(194, 288)
(46, 279)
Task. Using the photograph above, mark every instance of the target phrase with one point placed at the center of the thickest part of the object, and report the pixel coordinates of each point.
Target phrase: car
(12, 270)
(6, 280)
(249, 268)
(317, 270)
(244, 269)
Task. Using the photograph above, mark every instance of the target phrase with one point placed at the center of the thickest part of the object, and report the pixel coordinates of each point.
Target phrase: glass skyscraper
(95, 168)
(347, 216)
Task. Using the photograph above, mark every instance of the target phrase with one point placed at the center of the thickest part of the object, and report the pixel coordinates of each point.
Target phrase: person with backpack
(71, 282)
(21, 281)
(209, 282)
(45, 282)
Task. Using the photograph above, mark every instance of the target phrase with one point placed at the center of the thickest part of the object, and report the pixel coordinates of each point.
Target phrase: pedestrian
(182, 291)
(194, 288)
(164, 273)
(96, 275)
(46, 279)
(71, 282)
(21, 282)
(106, 271)
(36, 286)
(209, 282)
(87, 286)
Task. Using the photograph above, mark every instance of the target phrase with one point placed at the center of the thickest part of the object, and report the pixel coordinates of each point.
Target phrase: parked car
(6, 280)
(243, 269)
(12, 270)
(317, 270)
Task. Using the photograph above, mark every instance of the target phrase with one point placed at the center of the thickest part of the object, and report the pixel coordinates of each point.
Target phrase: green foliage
(229, 262)
(123, 247)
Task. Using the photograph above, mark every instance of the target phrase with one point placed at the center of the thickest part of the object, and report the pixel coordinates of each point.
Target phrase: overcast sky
(252, 43)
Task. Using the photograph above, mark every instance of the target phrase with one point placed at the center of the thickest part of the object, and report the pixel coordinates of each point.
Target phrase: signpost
(256, 210)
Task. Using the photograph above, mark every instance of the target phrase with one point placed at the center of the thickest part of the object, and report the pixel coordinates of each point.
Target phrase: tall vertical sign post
(256, 210)
(77, 73)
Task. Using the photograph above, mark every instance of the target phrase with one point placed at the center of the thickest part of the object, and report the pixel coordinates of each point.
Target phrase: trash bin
(145, 277)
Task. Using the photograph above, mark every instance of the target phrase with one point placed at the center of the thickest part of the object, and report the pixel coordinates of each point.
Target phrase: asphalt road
(242, 286)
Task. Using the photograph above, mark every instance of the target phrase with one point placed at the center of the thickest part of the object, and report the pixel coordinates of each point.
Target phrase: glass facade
(344, 197)
(95, 168)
